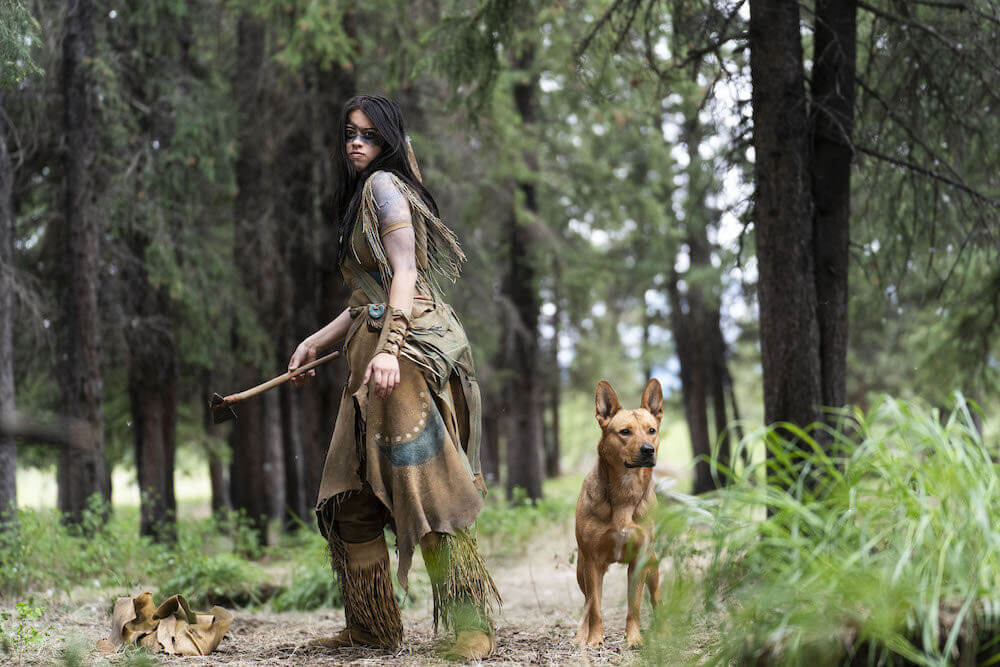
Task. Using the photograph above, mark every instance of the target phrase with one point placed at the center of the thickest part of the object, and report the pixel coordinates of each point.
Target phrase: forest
(787, 212)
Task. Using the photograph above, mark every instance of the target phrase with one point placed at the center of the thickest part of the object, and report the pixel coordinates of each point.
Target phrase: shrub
(311, 584)
(881, 548)
(223, 579)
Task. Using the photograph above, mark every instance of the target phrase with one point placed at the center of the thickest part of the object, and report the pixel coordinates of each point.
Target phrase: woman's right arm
(322, 339)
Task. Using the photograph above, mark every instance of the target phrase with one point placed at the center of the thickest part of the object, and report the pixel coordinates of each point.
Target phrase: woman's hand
(303, 354)
(383, 371)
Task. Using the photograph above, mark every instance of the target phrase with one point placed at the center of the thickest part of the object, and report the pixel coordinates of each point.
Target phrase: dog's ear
(607, 402)
(652, 398)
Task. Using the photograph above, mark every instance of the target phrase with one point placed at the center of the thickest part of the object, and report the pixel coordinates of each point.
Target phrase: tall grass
(881, 547)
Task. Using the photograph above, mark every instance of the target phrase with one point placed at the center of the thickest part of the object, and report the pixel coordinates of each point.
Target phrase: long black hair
(387, 118)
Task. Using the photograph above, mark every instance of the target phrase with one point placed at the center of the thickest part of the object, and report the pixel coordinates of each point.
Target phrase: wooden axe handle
(281, 379)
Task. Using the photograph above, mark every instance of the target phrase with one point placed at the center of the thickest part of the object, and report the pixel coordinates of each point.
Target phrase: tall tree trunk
(783, 216)
(319, 291)
(552, 448)
(524, 392)
(833, 91)
(8, 446)
(718, 374)
(217, 474)
(152, 388)
(82, 473)
(256, 473)
(685, 325)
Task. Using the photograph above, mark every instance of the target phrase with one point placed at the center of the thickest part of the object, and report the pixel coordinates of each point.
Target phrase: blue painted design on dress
(376, 310)
(422, 448)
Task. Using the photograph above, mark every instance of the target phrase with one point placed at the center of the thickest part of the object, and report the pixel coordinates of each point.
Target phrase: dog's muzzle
(646, 458)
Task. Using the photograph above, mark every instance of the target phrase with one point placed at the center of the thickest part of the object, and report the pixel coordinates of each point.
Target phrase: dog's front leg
(590, 576)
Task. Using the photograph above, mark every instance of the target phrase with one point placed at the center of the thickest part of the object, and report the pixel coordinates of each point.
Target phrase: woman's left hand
(383, 371)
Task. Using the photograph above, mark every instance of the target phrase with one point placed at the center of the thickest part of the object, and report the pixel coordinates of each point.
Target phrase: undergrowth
(880, 548)
(42, 554)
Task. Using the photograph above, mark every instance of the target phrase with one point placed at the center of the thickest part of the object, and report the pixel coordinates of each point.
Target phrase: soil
(542, 606)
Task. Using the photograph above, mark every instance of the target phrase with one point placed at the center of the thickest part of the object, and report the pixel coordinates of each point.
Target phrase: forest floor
(542, 605)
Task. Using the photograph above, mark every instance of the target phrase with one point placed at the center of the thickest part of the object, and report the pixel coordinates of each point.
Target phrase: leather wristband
(398, 324)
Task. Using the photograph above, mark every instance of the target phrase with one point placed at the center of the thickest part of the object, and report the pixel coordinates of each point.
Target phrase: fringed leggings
(465, 597)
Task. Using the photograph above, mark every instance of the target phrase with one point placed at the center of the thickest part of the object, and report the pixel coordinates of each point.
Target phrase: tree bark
(153, 397)
(8, 445)
(81, 474)
(687, 334)
(552, 448)
(256, 472)
(783, 216)
(833, 92)
(217, 473)
(524, 393)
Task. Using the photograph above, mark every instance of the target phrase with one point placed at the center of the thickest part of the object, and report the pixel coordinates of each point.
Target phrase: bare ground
(542, 606)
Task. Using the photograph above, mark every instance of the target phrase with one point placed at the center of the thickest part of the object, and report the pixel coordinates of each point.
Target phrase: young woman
(405, 448)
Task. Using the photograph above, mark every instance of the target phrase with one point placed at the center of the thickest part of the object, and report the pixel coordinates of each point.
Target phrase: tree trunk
(833, 92)
(552, 448)
(717, 373)
(693, 374)
(82, 473)
(256, 473)
(152, 387)
(524, 394)
(318, 289)
(8, 446)
(783, 216)
(217, 473)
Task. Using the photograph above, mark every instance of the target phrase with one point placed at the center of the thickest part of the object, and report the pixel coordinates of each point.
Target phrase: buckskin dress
(418, 449)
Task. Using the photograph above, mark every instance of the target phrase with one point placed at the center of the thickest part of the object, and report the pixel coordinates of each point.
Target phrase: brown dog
(612, 514)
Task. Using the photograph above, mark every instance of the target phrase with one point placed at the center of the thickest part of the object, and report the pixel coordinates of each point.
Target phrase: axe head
(221, 411)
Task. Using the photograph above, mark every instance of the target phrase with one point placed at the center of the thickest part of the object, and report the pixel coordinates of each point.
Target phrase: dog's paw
(595, 639)
(633, 640)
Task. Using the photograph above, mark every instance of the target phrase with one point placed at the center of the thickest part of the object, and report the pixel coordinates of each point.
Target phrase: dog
(613, 512)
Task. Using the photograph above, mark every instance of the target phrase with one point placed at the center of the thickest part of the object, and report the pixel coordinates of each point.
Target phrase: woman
(405, 448)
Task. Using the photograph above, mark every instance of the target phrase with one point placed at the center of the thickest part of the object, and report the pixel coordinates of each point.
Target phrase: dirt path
(542, 606)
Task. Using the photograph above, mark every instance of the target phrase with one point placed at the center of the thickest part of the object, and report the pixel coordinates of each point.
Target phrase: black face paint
(370, 137)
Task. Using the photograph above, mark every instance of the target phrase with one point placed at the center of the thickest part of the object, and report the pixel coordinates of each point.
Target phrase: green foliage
(882, 545)
(19, 31)
(311, 584)
(472, 39)
(207, 564)
(18, 631)
(505, 527)
(223, 579)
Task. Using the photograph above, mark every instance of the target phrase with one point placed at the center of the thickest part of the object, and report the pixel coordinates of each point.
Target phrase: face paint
(370, 137)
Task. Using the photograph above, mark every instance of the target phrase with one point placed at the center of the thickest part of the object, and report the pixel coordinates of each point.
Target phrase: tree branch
(920, 169)
(596, 29)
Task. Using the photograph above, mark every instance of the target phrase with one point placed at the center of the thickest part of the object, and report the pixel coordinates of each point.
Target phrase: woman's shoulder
(383, 179)
(386, 188)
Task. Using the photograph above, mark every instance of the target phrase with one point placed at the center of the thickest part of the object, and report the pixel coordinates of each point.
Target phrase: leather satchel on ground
(171, 628)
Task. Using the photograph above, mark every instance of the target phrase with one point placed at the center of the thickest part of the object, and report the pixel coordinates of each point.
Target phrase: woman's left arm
(401, 250)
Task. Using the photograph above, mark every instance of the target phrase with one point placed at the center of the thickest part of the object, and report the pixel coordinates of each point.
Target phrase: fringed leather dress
(411, 460)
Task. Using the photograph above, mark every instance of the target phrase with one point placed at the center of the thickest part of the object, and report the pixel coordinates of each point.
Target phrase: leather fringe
(433, 238)
(366, 588)
(465, 596)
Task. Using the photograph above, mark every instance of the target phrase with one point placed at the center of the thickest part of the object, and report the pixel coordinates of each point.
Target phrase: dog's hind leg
(636, 580)
(653, 580)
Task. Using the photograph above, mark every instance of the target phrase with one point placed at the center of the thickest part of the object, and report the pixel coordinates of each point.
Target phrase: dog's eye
(652, 431)
(625, 431)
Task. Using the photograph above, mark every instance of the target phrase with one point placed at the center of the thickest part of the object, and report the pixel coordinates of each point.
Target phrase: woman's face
(363, 141)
